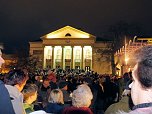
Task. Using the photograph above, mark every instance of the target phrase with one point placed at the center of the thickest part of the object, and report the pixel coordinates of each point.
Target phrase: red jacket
(76, 110)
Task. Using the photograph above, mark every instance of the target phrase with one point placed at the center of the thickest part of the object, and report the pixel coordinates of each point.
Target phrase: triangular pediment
(67, 32)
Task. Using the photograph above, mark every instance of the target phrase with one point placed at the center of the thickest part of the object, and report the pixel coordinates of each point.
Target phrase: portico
(70, 48)
(72, 57)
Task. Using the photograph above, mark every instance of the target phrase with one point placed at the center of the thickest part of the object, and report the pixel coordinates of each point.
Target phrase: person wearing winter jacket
(141, 86)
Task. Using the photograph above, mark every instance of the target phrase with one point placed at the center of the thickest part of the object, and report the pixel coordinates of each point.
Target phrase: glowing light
(76, 35)
(77, 52)
(52, 36)
(47, 52)
(129, 69)
(88, 52)
(61, 33)
(126, 60)
(58, 52)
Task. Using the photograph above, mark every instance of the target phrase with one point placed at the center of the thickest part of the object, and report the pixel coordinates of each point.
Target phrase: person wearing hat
(63, 85)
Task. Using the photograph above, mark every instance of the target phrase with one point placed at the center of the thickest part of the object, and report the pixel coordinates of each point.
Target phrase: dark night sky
(22, 21)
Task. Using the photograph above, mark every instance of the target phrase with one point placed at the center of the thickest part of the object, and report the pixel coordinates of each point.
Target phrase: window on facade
(49, 54)
(77, 56)
(68, 35)
(37, 52)
(68, 54)
(88, 54)
(58, 54)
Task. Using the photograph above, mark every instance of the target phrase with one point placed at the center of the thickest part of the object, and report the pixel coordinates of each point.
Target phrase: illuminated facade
(70, 48)
(10, 61)
(123, 59)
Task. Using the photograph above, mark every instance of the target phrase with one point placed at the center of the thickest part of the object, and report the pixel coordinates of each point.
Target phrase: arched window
(68, 35)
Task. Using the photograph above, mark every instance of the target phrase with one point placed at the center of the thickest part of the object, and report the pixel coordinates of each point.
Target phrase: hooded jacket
(16, 98)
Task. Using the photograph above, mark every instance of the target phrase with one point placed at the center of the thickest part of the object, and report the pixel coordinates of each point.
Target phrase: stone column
(44, 59)
(82, 58)
(72, 53)
(92, 58)
(53, 57)
(62, 61)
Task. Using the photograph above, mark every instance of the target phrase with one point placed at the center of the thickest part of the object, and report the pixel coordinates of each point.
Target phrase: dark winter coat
(54, 108)
(5, 100)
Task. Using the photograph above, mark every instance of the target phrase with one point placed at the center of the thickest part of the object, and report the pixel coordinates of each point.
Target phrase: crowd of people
(57, 91)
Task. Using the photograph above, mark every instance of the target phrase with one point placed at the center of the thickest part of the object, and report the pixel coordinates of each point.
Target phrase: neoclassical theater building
(70, 48)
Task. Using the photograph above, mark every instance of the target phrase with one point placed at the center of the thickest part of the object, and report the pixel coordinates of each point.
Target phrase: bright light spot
(52, 36)
(67, 47)
(58, 47)
(126, 60)
(129, 69)
(78, 35)
(47, 52)
(88, 52)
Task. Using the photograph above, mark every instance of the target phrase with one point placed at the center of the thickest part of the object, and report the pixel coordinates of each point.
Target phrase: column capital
(72, 46)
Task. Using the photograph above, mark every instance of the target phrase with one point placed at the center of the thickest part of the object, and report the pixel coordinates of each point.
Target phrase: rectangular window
(77, 56)
(58, 55)
(68, 54)
(37, 52)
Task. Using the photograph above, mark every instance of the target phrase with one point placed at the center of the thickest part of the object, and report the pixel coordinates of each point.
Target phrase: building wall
(68, 41)
(35, 46)
(10, 62)
(101, 62)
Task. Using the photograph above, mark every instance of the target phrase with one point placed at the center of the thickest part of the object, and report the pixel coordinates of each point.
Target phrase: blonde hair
(56, 96)
(82, 96)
